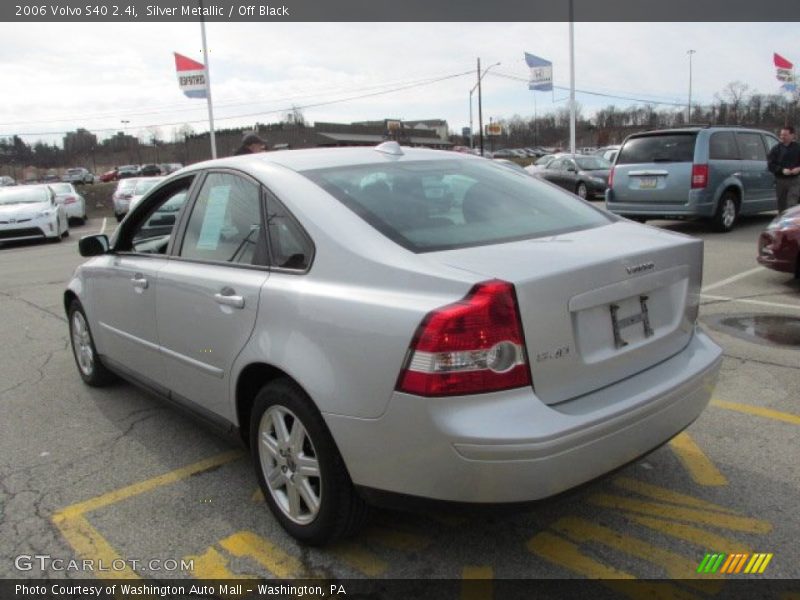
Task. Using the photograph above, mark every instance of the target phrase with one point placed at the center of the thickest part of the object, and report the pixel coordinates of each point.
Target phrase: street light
(480, 113)
(689, 108)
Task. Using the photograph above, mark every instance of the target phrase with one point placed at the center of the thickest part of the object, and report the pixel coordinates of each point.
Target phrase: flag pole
(208, 83)
(571, 80)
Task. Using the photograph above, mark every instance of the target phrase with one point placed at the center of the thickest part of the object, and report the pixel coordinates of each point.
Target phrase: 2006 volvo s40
(398, 320)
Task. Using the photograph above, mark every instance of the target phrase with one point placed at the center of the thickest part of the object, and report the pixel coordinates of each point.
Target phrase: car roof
(322, 158)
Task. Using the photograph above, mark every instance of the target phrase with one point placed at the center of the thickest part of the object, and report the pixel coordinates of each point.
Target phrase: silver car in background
(143, 185)
(121, 197)
(396, 320)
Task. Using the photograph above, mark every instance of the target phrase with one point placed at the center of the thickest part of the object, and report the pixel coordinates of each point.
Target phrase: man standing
(784, 162)
(252, 144)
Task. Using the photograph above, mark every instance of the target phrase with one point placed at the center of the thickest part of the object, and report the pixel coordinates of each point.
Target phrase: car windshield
(143, 185)
(23, 196)
(128, 168)
(592, 163)
(126, 184)
(61, 188)
(544, 161)
(671, 147)
(447, 204)
(74, 171)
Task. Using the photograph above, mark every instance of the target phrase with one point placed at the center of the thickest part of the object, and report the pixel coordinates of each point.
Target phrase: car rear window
(446, 204)
(670, 147)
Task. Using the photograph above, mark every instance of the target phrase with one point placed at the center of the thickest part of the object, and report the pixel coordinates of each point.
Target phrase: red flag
(184, 63)
(781, 62)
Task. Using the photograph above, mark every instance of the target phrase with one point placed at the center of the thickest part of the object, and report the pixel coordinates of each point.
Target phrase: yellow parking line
(150, 484)
(567, 555)
(360, 559)
(665, 495)
(265, 553)
(700, 537)
(700, 468)
(88, 543)
(258, 496)
(758, 411)
(213, 565)
(582, 530)
(477, 583)
(704, 517)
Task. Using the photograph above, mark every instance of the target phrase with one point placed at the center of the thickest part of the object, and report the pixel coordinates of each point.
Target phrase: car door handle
(229, 299)
(139, 282)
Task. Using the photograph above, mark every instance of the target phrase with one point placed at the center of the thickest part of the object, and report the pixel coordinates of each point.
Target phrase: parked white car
(121, 198)
(143, 185)
(73, 202)
(31, 212)
(78, 175)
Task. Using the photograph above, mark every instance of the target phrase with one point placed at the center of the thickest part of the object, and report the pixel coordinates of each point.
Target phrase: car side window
(722, 146)
(770, 141)
(225, 223)
(557, 165)
(152, 234)
(289, 245)
(750, 146)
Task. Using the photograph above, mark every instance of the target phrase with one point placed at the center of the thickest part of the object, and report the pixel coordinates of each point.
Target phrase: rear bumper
(697, 203)
(511, 447)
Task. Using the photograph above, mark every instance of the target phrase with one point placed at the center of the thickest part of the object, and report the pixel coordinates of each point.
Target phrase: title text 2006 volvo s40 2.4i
(398, 320)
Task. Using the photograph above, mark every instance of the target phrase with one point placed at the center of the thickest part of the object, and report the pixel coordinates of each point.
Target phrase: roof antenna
(392, 148)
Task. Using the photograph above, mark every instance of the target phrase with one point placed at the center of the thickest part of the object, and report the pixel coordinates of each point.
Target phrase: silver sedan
(395, 320)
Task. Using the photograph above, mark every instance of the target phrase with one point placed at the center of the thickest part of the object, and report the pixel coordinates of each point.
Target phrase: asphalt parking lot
(107, 474)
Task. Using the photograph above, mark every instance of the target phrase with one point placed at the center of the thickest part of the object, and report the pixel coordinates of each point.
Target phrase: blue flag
(541, 79)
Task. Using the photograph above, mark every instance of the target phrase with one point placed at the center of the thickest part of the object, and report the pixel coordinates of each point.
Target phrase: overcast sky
(57, 77)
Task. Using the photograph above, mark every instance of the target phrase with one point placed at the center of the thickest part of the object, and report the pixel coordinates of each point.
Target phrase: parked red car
(111, 175)
(779, 244)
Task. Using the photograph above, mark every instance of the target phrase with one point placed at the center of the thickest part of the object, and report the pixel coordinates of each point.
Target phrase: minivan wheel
(727, 212)
(300, 471)
(582, 191)
(91, 370)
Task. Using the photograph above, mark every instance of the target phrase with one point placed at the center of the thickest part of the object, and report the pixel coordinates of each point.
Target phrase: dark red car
(779, 244)
(111, 175)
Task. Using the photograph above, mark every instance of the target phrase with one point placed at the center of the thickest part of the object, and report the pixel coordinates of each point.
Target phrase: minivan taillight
(611, 178)
(472, 346)
(699, 176)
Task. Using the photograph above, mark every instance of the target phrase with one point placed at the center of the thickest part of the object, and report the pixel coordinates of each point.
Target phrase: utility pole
(480, 109)
(689, 107)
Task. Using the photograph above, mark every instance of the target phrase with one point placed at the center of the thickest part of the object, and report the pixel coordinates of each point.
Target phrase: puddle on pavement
(774, 330)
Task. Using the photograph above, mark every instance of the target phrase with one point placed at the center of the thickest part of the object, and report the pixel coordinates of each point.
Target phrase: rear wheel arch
(248, 384)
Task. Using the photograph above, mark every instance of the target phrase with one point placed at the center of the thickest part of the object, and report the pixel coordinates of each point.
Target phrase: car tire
(320, 506)
(90, 368)
(582, 191)
(727, 212)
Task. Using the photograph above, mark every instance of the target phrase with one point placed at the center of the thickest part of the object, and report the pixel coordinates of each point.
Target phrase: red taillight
(611, 178)
(472, 346)
(699, 176)
(70, 200)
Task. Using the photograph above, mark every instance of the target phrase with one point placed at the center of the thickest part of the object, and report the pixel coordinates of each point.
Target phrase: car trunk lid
(597, 305)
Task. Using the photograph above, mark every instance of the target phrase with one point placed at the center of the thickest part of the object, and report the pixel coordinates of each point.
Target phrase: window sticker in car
(214, 218)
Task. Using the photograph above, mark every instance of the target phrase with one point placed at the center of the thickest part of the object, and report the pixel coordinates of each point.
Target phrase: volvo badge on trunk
(634, 269)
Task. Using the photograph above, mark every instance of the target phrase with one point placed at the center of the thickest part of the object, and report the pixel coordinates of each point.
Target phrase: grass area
(98, 198)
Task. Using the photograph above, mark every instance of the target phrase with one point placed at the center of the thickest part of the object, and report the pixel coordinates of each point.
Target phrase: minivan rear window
(662, 148)
(432, 205)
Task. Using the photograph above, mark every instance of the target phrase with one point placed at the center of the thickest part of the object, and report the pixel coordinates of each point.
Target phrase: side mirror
(93, 245)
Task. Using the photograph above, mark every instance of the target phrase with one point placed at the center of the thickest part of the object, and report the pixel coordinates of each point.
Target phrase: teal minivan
(714, 172)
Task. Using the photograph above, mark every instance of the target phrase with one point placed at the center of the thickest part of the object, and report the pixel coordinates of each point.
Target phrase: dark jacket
(783, 157)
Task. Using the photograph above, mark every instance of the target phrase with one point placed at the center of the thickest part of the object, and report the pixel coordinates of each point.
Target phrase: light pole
(689, 107)
(127, 147)
(480, 108)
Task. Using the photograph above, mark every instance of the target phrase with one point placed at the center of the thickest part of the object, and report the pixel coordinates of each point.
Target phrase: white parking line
(103, 228)
(714, 286)
(748, 301)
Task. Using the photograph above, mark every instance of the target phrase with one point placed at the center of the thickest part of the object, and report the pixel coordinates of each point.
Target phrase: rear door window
(669, 147)
(722, 146)
(751, 146)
